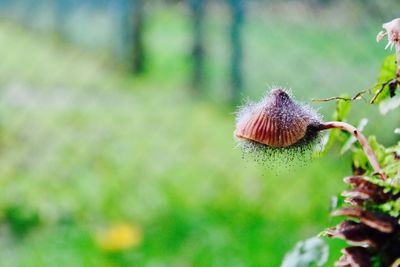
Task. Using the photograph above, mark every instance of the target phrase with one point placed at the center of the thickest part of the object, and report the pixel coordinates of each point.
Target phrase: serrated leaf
(351, 140)
(360, 160)
(391, 207)
(377, 148)
(311, 252)
(392, 169)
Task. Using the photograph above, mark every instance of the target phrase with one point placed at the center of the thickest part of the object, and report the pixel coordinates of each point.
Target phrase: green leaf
(394, 148)
(391, 165)
(391, 207)
(388, 69)
(342, 109)
(311, 252)
(327, 141)
(21, 219)
(379, 149)
(336, 202)
(386, 73)
(360, 160)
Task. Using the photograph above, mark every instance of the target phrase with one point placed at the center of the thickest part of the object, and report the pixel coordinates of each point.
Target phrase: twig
(359, 94)
(361, 139)
(381, 90)
(355, 97)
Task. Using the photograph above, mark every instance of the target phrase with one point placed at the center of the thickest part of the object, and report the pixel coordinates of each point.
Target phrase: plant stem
(361, 139)
(398, 61)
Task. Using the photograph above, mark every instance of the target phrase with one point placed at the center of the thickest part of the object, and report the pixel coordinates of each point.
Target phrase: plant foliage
(371, 204)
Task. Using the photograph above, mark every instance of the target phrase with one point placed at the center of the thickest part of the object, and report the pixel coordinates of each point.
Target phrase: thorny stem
(361, 139)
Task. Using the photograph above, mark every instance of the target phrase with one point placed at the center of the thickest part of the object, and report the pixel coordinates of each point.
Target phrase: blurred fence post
(237, 10)
(29, 12)
(138, 46)
(198, 10)
(61, 10)
(129, 48)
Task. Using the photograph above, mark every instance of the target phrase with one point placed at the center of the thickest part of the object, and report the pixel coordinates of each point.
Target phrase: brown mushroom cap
(364, 190)
(354, 257)
(276, 121)
(357, 234)
(381, 222)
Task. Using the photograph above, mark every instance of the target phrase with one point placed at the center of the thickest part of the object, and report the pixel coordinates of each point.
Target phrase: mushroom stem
(361, 139)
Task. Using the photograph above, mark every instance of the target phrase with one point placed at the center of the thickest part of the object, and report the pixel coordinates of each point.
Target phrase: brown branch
(355, 97)
(331, 98)
(359, 94)
(361, 139)
(380, 90)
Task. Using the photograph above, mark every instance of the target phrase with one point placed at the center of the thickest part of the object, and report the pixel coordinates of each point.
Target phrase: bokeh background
(116, 121)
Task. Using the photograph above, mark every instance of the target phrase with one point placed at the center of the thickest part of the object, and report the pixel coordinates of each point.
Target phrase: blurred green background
(106, 161)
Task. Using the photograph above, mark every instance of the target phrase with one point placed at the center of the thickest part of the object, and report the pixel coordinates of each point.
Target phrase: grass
(85, 147)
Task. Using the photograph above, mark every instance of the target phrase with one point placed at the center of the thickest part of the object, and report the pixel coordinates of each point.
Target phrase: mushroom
(354, 257)
(381, 222)
(276, 121)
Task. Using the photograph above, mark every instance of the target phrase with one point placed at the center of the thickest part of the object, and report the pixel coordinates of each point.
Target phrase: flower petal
(388, 44)
(380, 36)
